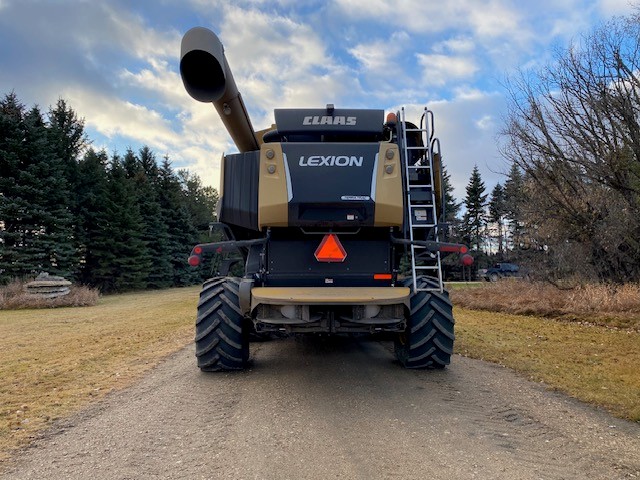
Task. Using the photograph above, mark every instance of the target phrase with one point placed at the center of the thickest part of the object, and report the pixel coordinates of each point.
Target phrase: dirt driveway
(334, 408)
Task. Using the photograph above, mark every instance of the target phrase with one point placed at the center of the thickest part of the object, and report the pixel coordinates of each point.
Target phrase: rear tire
(221, 341)
(428, 339)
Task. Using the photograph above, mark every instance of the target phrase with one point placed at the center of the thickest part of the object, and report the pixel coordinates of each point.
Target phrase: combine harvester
(322, 207)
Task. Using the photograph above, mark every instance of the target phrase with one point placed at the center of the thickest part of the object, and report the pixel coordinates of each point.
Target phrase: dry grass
(610, 305)
(57, 361)
(593, 363)
(14, 297)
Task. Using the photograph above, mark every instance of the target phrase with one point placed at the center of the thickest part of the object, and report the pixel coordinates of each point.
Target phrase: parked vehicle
(502, 270)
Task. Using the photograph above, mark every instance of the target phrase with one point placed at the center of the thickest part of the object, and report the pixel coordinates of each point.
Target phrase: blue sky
(116, 63)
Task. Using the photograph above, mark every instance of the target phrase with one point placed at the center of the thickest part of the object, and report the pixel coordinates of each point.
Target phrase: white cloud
(486, 123)
(113, 116)
(381, 57)
(278, 62)
(118, 68)
(459, 44)
(161, 80)
(489, 18)
(617, 7)
(439, 69)
(468, 134)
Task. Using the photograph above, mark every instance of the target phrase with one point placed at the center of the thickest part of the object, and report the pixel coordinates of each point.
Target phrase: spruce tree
(200, 201)
(122, 257)
(497, 212)
(475, 216)
(11, 202)
(515, 198)
(155, 233)
(182, 234)
(91, 214)
(451, 207)
(37, 199)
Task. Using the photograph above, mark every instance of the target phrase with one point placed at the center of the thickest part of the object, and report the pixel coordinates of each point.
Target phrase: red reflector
(197, 250)
(450, 248)
(466, 260)
(194, 260)
(382, 276)
(330, 249)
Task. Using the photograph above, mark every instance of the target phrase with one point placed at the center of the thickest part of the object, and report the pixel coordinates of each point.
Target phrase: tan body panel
(273, 194)
(388, 195)
(329, 296)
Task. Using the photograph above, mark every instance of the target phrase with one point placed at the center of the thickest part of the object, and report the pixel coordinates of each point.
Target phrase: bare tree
(574, 130)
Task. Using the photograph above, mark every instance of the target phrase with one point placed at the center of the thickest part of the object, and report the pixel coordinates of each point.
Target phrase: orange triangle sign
(330, 249)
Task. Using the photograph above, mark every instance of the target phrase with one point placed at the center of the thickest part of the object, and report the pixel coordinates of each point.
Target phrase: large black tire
(221, 341)
(428, 338)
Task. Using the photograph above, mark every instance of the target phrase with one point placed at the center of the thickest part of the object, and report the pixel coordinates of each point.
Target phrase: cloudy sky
(116, 63)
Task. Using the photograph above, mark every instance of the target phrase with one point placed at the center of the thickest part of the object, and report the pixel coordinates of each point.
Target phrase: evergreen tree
(122, 257)
(200, 201)
(497, 212)
(67, 138)
(131, 164)
(91, 214)
(451, 206)
(155, 233)
(515, 198)
(37, 232)
(11, 202)
(182, 234)
(475, 217)
(37, 200)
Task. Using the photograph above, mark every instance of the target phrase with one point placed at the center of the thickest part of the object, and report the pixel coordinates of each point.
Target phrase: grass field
(596, 364)
(55, 361)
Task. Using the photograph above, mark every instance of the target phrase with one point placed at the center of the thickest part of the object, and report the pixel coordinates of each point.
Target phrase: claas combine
(336, 215)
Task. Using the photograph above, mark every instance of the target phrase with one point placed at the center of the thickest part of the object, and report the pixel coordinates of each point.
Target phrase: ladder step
(431, 267)
(417, 148)
(416, 130)
(423, 185)
(418, 167)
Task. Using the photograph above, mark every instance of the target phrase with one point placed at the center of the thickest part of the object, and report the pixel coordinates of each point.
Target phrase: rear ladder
(421, 198)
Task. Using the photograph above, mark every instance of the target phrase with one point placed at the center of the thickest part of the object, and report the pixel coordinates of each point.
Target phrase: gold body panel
(388, 195)
(329, 296)
(273, 194)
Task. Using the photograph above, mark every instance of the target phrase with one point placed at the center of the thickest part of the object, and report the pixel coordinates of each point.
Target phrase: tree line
(570, 204)
(114, 222)
(490, 224)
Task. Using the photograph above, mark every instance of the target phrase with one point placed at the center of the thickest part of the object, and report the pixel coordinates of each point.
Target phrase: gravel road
(334, 408)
